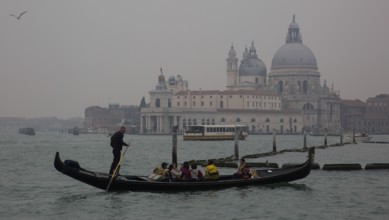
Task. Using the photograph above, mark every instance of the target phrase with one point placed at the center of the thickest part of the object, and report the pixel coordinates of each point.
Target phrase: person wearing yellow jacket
(211, 171)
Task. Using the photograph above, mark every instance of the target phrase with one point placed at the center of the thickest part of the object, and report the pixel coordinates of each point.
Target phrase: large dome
(294, 55)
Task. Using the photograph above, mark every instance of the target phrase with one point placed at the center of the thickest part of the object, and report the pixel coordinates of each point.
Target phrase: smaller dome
(253, 66)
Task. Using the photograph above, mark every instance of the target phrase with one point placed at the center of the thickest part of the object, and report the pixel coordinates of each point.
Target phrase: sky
(64, 56)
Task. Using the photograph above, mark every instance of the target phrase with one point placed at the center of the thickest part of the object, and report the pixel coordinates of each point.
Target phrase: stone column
(141, 124)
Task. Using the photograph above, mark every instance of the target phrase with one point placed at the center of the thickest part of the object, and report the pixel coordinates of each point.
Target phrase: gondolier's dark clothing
(117, 141)
(117, 145)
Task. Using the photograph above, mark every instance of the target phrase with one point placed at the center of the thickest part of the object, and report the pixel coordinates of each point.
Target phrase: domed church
(289, 99)
(295, 77)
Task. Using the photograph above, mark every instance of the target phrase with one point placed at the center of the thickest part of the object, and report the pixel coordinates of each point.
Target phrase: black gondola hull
(142, 183)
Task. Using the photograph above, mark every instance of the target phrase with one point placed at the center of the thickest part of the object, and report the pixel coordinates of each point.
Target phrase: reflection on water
(295, 186)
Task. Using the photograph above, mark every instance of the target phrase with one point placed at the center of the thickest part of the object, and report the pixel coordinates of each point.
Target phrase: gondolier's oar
(117, 166)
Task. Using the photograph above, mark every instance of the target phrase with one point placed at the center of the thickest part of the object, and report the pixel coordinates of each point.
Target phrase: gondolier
(117, 144)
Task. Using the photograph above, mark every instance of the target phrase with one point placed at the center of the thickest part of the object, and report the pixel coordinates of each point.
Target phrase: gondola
(143, 183)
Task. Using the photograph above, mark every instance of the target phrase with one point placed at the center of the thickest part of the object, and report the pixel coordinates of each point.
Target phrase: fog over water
(63, 56)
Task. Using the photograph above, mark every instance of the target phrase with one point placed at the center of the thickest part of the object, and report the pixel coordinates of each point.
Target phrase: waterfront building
(352, 115)
(371, 117)
(260, 110)
(289, 100)
(376, 119)
(105, 120)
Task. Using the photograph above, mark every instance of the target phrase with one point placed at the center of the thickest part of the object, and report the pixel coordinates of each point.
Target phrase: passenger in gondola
(160, 173)
(162, 170)
(174, 174)
(196, 173)
(243, 171)
(185, 172)
(246, 174)
(238, 173)
(211, 171)
(242, 163)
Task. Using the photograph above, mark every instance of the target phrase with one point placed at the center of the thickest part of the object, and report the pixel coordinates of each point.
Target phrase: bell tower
(232, 68)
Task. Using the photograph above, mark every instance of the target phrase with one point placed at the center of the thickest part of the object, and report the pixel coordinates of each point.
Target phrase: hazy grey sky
(64, 56)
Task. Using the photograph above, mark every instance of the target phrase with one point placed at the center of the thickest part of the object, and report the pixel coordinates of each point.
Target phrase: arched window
(308, 106)
(305, 86)
(223, 120)
(280, 86)
(208, 121)
(203, 121)
(299, 86)
(253, 120)
(169, 103)
(237, 119)
(267, 120)
(282, 120)
(213, 121)
(158, 103)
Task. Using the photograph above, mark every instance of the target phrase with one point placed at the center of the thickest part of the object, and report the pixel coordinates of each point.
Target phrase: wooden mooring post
(305, 139)
(274, 141)
(325, 139)
(174, 147)
(236, 144)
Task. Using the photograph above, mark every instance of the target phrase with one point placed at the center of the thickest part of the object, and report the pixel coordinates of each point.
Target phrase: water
(31, 188)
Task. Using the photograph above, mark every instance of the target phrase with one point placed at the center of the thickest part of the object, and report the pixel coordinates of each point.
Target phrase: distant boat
(359, 137)
(215, 132)
(76, 131)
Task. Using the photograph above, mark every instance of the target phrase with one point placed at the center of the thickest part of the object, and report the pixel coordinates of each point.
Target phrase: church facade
(288, 100)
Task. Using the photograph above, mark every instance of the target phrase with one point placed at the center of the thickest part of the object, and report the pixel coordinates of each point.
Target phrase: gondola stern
(58, 164)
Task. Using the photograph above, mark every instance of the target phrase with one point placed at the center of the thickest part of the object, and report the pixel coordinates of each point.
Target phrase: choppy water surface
(31, 188)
